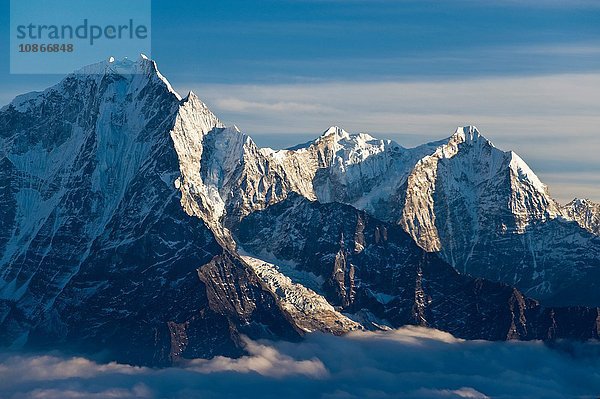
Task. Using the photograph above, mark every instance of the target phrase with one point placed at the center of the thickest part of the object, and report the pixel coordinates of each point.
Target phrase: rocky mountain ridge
(483, 210)
(376, 273)
(121, 201)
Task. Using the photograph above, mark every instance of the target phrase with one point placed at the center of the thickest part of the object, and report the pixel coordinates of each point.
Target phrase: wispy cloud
(410, 363)
(237, 105)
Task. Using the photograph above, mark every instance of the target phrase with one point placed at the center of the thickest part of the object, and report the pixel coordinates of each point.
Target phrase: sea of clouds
(411, 362)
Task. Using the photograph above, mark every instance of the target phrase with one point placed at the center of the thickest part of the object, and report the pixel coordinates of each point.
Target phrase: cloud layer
(409, 363)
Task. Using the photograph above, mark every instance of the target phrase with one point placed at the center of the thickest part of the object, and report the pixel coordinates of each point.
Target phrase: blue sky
(266, 41)
(526, 72)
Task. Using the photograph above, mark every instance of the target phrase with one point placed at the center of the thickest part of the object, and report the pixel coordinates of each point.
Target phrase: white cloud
(411, 362)
(48, 367)
(138, 392)
(264, 360)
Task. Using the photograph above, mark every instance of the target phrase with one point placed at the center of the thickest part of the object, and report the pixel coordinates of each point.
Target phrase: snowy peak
(86, 142)
(143, 65)
(198, 113)
(585, 212)
(469, 132)
(193, 124)
(140, 73)
(335, 132)
(583, 203)
(345, 139)
(394, 183)
(469, 135)
(125, 67)
(338, 147)
(136, 78)
(193, 98)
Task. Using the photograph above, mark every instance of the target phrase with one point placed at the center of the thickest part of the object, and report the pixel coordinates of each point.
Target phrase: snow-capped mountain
(121, 202)
(98, 250)
(585, 212)
(482, 209)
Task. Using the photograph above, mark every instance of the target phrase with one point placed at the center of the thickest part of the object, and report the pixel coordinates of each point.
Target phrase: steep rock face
(585, 212)
(468, 186)
(309, 310)
(71, 153)
(488, 215)
(243, 178)
(98, 252)
(369, 267)
(193, 123)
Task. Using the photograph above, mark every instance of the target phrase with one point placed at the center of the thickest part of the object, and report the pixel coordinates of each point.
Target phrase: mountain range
(134, 224)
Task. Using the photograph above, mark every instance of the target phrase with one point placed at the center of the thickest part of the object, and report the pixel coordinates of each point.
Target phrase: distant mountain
(121, 201)
(585, 212)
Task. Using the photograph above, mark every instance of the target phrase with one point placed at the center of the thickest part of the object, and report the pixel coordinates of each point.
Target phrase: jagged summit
(349, 147)
(468, 131)
(335, 131)
(470, 135)
(585, 212)
(133, 77)
(124, 66)
(128, 68)
(105, 225)
(463, 198)
(191, 96)
(340, 134)
(335, 135)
